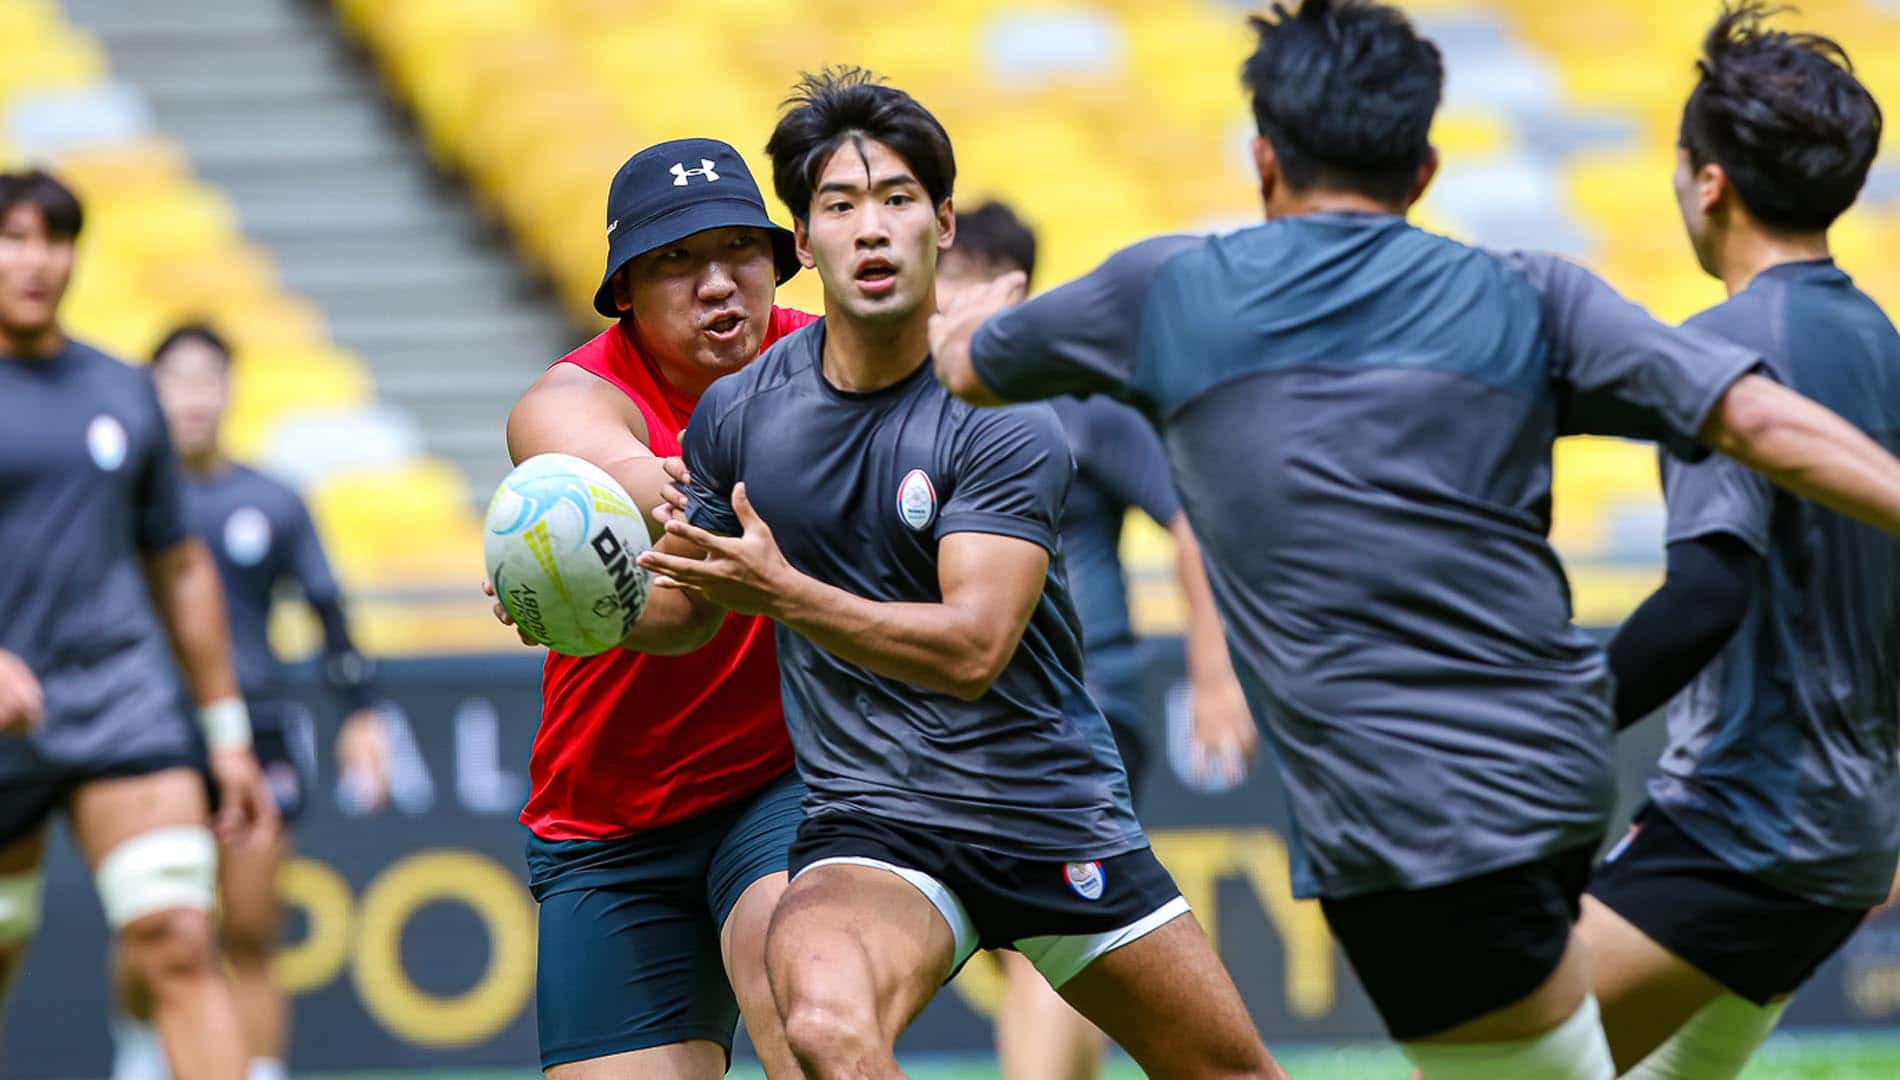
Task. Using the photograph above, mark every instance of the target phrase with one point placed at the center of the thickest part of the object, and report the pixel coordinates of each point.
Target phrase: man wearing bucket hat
(663, 797)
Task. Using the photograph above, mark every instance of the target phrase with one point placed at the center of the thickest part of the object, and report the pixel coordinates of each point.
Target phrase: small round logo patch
(917, 500)
(247, 536)
(106, 442)
(1085, 878)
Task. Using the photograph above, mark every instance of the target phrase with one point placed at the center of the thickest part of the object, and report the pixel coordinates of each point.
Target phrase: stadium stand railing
(161, 247)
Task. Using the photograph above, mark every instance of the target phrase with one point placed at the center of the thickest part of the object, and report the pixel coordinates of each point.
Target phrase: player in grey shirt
(261, 537)
(965, 790)
(1360, 416)
(1774, 823)
(102, 586)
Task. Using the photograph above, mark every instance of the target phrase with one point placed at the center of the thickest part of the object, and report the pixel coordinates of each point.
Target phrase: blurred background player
(1368, 465)
(108, 596)
(663, 799)
(261, 537)
(965, 791)
(1774, 825)
(1119, 465)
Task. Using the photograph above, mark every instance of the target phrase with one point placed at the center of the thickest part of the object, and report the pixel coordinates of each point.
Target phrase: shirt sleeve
(1080, 338)
(1128, 460)
(1620, 371)
(1717, 496)
(1013, 471)
(160, 521)
(709, 461)
(347, 671)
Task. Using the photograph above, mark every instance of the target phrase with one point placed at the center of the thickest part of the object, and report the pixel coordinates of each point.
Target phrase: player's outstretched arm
(570, 411)
(1225, 737)
(990, 586)
(1805, 448)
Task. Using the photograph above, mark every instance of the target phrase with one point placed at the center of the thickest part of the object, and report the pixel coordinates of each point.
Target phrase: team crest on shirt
(917, 500)
(247, 536)
(1086, 878)
(106, 441)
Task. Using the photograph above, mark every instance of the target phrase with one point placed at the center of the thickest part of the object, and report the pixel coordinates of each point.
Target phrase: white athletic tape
(962, 927)
(173, 867)
(1714, 1044)
(226, 724)
(19, 907)
(1061, 957)
(1573, 1050)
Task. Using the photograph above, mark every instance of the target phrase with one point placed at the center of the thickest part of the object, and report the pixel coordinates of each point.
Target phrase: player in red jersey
(663, 797)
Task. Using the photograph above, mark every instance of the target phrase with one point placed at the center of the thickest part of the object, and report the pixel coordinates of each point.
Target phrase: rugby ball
(560, 542)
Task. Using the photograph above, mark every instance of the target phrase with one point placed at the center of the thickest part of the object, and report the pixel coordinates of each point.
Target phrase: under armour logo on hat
(681, 172)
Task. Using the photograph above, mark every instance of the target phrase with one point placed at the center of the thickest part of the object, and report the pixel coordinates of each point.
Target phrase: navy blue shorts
(270, 741)
(630, 927)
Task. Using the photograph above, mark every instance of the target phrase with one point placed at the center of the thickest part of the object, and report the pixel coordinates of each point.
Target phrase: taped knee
(1573, 1050)
(173, 867)
(1714, 1044)
(19, 907)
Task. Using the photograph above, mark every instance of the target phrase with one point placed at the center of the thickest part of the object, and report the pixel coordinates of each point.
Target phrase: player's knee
(169, 948)
(824, 1032)
(19, 910)
(247, 940)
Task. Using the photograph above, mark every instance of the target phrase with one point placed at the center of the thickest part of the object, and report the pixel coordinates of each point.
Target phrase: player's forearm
(673, 624)
(190, 599)
(1808, 450)
(957, 371)
(346, 670)
(1207, 656)
(935, 646)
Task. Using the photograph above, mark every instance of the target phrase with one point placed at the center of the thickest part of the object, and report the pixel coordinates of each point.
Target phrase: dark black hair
(199, 332)
(44, 191)
(1784, 116)
(1345, 91)
(994, 232)
(849, 103)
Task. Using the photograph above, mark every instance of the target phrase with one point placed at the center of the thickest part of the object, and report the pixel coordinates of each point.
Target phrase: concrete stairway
(277, 112)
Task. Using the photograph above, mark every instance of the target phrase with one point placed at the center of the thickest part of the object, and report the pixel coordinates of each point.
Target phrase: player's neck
(203, 462)
(1323, 201)
(861, 357)
(32, 344)
(1747, 251)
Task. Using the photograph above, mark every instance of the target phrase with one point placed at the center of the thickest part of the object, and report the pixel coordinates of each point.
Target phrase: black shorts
(1756, 940)
(282, 775)
(1062, 915)
(1434, 958)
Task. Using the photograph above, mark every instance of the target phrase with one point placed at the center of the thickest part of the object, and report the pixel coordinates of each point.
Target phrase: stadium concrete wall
(412, 931)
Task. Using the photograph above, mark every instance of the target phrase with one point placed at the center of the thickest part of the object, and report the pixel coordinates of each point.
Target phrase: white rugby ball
(560, 543)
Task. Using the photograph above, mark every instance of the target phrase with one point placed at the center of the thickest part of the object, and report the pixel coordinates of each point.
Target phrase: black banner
(412, 936)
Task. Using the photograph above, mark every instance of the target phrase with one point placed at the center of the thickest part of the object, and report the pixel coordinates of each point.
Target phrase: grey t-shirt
(859, 489)
(1359, 416)
(1119, 464)
(88, 485)
(261, 536)
(1782, 755)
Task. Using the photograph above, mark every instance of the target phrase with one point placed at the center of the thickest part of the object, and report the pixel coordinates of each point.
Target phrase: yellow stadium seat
(54, 59)
(98, 172)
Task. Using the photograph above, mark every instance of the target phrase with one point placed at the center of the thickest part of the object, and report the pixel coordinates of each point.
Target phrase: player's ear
(1267, 164)
(622, 290)
(1427, 170)
(946, 225)
(801, 243)
(1711, 187)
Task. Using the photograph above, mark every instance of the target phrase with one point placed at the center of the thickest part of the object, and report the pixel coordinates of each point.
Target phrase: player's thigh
(110, 811)
(694, 1060)
(1644, 991)
(860, 945)
(1167, 999)
(629, 967)
(247, 888)
(746, 876)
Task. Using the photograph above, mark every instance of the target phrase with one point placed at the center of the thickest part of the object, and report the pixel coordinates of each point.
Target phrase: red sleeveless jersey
(630, 742)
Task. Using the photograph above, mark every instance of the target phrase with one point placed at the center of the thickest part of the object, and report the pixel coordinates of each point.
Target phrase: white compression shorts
(1573, 1050)
(171, 867)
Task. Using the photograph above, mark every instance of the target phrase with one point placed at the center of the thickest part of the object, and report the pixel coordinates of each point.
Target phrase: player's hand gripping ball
(560, 543)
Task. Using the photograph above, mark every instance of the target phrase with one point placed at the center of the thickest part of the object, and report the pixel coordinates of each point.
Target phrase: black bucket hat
(670, 191)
